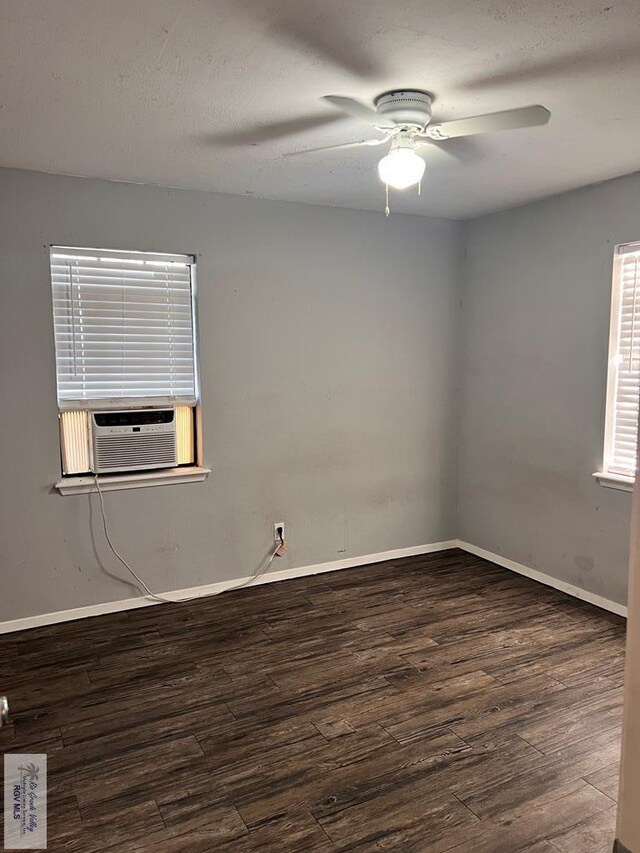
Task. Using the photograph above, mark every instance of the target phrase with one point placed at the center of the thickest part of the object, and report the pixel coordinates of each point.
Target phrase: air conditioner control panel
(127, 430)
(128, 422)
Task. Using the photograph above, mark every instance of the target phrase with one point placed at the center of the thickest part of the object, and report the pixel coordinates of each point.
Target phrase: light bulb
(401, 168)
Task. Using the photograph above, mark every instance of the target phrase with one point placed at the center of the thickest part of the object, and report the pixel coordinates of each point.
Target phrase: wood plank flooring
(431, 704)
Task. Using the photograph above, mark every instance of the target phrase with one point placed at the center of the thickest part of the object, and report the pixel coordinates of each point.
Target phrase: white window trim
(605, 477)
(137, 480)
(615, 481)
(76, 484)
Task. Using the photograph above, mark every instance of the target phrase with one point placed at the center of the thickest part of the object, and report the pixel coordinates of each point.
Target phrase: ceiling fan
(403, 117)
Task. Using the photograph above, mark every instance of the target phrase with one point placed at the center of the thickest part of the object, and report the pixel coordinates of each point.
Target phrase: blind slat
(124, 327)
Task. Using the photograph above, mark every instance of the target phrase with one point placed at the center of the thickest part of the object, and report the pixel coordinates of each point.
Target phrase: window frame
(607, 477)
(74, 484)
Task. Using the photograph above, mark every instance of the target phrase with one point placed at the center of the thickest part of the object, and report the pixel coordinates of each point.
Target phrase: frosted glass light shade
(401, 168)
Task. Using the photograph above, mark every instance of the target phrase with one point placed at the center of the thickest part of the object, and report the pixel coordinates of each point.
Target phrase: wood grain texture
(426, 705)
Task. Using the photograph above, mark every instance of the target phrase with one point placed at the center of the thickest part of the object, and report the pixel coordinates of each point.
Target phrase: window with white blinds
(623, 388)
(124, 328)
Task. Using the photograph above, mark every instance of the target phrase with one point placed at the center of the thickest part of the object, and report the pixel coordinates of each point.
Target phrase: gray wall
(328, 354)
(537, 287)
(332, 348)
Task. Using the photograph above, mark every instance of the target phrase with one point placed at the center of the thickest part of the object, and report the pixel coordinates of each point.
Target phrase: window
(124, 340)
(623, 385)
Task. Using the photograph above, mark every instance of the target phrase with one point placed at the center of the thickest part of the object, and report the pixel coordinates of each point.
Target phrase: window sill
(143, 479)
(615, 481)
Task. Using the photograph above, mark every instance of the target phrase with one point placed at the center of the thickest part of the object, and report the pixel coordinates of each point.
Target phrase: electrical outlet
(278, 531)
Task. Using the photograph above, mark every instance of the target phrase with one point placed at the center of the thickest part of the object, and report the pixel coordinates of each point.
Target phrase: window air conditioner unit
(133, 440)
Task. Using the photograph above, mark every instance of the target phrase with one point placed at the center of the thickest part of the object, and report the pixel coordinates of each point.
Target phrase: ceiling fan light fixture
(401, 168)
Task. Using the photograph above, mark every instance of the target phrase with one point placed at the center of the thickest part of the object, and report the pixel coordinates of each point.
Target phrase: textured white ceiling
(155, 91)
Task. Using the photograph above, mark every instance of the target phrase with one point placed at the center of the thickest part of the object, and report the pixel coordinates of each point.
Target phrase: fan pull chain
(387, 209)
(420, 187)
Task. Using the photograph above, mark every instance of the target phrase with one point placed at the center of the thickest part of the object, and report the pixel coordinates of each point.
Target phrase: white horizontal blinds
(623, 440)
(123, 328)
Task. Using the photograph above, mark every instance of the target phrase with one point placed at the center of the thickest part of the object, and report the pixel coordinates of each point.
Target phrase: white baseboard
(217, 588)
(548, 580)
(303, 571)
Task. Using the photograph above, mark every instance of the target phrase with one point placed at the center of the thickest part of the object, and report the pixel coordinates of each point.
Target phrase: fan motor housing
(406, 106)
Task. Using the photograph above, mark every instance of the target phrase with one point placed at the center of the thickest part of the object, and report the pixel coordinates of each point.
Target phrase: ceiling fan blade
(490, 123)
(360, 111)
(432, 150)
(344, 145)
(447, 152)
(271, 131)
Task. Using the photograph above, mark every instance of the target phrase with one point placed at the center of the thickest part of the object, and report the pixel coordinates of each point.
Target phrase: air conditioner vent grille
(134, 451)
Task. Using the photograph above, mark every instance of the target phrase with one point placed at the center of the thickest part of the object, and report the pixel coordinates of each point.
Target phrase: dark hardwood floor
(432, 704)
